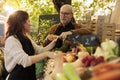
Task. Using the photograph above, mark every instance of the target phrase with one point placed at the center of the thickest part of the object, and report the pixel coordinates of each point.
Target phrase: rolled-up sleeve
(14, 54)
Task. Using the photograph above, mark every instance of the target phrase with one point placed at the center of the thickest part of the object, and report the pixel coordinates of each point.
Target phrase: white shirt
(14, 54)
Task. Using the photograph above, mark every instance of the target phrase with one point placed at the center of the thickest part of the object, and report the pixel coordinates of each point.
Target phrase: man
(65, 27)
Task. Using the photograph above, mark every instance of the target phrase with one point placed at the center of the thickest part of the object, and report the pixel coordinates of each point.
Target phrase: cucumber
(69, 72)
(60, 76)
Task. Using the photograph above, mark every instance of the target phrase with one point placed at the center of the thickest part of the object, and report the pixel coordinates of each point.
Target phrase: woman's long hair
(15, 23)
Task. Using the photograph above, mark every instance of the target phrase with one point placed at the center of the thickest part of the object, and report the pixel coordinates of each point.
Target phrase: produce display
(68, 73)
(106, 71)
(3, 72)
(109, 49)
(79, 64)
(61, 45)
(1, 61)
(91, 60)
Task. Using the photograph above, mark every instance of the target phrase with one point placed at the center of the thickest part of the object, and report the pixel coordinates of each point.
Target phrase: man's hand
(65, 34)
(51, 37)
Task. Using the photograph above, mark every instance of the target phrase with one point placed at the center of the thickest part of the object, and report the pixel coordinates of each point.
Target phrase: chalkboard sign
(86, 40)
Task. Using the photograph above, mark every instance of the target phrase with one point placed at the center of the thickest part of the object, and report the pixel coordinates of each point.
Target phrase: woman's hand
(55, 54)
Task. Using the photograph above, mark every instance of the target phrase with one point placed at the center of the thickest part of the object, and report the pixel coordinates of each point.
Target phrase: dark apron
(19, 72)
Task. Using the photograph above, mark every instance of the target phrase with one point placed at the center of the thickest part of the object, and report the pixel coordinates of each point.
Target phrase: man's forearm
(46, 42)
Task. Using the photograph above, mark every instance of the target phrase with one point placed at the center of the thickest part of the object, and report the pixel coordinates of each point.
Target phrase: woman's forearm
(39, 57)
(46, 42)
(50, 46)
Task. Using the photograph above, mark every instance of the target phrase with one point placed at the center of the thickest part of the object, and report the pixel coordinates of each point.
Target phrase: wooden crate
(94, 29)
(87, 24)
(117, 32)
(97, 24)
(98, 19)
(108, 37)
(108, 31)
(117, 26)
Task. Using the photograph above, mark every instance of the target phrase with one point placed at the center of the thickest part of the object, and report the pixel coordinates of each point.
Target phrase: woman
(19, 49)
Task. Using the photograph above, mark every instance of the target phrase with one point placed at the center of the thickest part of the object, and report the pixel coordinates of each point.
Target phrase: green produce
(109, 49)
(70, 72)
(91, 49)
(64, 47)
(2, 57)
(61, 76)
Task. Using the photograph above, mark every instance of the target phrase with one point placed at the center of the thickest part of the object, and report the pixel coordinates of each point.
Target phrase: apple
(76, 50)
(93, 63)
(91, 57)
(64, 59)
(100, 59)
(69, 42)
(70, 57)
(86, 64)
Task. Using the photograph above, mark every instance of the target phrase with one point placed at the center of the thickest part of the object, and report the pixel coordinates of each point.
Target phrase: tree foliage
(39, 7)
(59, 3)
(82, 7)
(33, 7)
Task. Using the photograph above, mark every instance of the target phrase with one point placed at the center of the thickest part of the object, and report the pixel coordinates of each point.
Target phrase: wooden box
(108, 31)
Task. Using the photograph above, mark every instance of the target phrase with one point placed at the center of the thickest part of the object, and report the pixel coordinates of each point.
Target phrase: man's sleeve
(79, 29)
